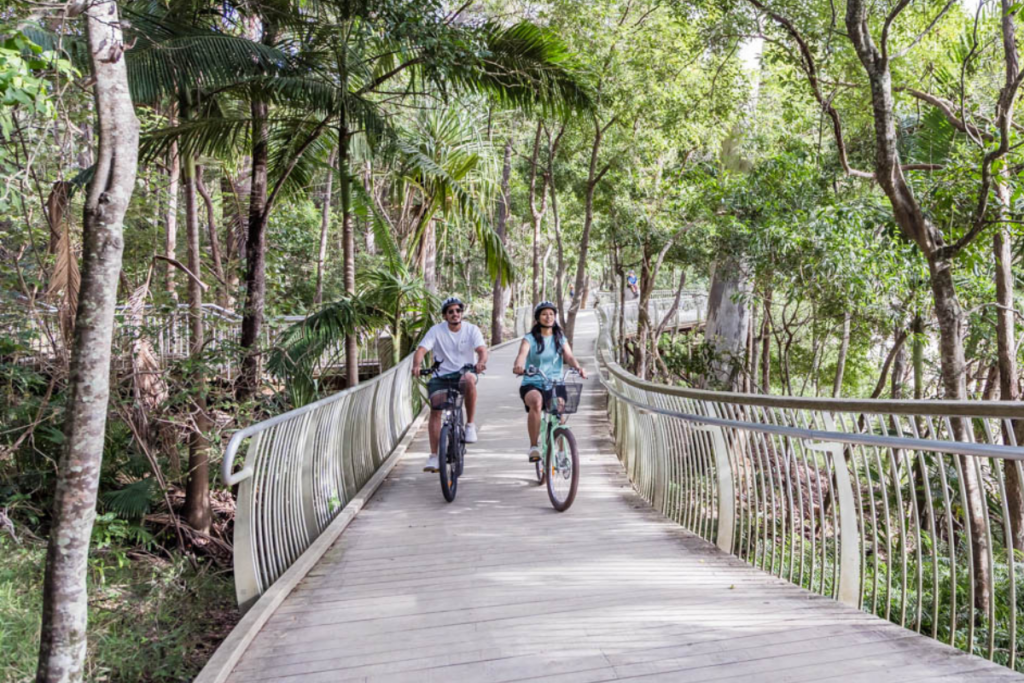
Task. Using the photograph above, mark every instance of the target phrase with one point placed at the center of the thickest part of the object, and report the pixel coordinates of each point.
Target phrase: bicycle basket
(570, 392)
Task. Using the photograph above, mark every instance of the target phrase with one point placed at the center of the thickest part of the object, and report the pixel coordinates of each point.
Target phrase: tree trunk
(498, 293)
(915, 226)
(325, 224)
(349, 245)
(728, 320)
(171, 219)
(556, 226)
(62, 645)
(766, 345)
(844, 348)
(536, 214)
(593, 178)
(1007, 363)
(255, 252)
(197, 488)
(223, 295)
(234, 193)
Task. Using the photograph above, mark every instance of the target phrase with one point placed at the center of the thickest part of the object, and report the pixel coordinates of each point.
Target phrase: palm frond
(133, 501)
(214, 136)
(301, 348)
(526, 67)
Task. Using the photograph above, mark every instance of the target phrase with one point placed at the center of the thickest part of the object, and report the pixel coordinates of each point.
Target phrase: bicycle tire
(447, 467)
(541, 471)
(563, 478)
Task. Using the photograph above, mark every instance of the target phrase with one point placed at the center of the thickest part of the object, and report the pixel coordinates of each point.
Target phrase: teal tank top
(549, 362)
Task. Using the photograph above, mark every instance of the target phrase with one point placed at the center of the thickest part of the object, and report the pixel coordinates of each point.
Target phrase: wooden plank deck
(497, 586)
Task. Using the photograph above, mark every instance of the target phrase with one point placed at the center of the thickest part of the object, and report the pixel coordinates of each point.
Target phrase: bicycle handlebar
(468, 367)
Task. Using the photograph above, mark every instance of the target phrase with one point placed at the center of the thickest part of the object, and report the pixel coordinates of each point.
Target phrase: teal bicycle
(559, 464)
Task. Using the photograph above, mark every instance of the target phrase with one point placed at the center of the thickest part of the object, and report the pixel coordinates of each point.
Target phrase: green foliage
(149, 619)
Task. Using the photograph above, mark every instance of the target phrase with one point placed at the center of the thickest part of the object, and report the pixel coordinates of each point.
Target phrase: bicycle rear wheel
(563, 469)
(448, 463)
(541, 470)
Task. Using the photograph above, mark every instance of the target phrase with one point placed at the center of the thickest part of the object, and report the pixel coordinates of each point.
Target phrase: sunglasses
(454, 310)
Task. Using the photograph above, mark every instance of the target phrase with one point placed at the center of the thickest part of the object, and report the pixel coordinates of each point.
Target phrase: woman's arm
(518, 367)
(571, 361)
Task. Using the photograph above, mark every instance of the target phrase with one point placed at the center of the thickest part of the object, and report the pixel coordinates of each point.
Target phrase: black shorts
(524, 389)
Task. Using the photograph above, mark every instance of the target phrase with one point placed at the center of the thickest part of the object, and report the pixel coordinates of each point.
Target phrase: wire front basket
(570, 393)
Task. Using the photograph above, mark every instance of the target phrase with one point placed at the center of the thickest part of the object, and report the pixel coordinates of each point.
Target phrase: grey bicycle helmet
(541, 306)
(450, 301)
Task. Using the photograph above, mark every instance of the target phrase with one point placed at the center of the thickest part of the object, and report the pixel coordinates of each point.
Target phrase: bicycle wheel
(540, 464)
(541, 470)
(447, 465)
(563, 469)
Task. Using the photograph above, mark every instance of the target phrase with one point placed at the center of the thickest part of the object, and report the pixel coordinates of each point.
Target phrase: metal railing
(864, 501)
(300, 469)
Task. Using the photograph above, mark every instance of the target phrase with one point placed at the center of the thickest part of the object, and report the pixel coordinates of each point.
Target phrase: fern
(131, 502)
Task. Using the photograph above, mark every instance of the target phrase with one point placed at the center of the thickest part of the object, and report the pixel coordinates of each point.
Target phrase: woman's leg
(533, 401)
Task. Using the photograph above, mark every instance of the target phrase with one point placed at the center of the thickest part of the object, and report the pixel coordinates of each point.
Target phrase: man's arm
(481, 359)
(421, 351)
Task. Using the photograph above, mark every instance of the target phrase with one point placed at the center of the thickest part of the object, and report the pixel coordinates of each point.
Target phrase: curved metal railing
(300, 469)
(864, 501)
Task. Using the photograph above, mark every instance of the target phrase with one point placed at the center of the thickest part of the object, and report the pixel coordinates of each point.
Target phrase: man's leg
(434, 428)
(469, 395)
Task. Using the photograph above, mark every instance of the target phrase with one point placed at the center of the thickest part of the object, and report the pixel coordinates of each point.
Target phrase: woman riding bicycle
(546, 349)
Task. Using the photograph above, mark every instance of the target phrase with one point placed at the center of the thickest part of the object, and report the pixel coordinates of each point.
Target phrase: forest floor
(151, 618)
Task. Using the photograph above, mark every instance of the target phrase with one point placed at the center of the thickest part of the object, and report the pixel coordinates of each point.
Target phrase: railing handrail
(886, 406)
(853, 438)
(233, 478)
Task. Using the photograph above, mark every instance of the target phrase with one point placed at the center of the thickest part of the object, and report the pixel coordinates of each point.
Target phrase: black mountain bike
(451, 445)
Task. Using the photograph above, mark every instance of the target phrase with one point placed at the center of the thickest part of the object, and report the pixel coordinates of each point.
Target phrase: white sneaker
(470, 436)
(431, 465)
(534, 454)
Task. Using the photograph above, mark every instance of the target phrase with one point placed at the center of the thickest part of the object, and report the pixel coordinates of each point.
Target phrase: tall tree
(65, 606)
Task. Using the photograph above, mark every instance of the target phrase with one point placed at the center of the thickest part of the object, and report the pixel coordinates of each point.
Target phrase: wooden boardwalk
(497, 586)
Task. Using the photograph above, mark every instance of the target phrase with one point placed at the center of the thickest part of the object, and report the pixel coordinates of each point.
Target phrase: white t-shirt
(453, 349)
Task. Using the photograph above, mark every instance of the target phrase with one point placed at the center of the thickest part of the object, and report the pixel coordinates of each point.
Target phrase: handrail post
(247, 582)
(849, 534)
(726, 489)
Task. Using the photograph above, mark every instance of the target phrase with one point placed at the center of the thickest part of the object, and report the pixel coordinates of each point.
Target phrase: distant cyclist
(546, 349)
(631, 281)
(455, 344)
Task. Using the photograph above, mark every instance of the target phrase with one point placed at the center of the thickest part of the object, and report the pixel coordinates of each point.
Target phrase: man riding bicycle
(455, 344)
(545, 348)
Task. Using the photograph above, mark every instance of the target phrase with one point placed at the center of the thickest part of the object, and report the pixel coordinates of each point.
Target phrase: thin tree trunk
(498, 293)
(766, 345)
(349, 244)
(325, 224)
(556, 225)
(171, 219)
(1007, 363)
(594, 177)
(197, 488)
(255, 252)
(62, 645)
(536, 214)
(223, 295)
(844, 348)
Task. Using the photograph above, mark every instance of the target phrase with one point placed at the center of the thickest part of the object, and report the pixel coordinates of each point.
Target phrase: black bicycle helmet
(541, 306)
(451, 301)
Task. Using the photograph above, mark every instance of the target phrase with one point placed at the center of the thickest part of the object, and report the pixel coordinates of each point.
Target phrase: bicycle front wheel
(563, 469)
(448, 463)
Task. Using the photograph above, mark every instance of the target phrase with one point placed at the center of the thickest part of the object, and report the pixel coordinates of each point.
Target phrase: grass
(150, 619)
